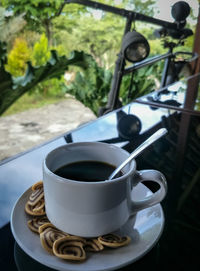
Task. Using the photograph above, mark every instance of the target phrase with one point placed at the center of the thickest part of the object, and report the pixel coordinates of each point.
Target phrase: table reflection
(25, 262)
(127, 124)
(182, 96)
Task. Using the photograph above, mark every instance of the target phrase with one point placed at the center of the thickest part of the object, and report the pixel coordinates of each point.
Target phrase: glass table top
(177, 156)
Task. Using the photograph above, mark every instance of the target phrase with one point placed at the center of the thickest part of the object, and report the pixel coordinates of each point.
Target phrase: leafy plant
(143, 82)
(40, 55)
(11, 88)
(91, 86)
(41, 52)
(18, 57)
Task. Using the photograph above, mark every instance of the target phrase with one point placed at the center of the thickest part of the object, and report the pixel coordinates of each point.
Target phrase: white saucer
(147, 228)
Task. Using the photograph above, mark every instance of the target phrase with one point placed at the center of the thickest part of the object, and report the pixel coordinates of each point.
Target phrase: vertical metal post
(196, 48)
(113, 97)
(165, 71)
(190, 99)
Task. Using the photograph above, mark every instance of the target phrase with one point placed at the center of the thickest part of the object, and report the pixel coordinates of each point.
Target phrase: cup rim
(64, 180)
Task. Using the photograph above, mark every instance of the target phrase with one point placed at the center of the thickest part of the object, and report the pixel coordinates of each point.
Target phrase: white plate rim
(73, 267)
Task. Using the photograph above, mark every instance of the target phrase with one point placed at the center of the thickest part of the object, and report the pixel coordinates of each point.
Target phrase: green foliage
(11, 88)
(99, 37)
(189, 41)
(37, 13)
(144, 7)
(27, 101)
(18, 57)
(91, 86)
(136, 5)
(33, 9)
(30, 36)
(10, 25)
(156, 47)
(84, 29)
(54, 87)
(97, 33)
(143, 83)
(41, 53)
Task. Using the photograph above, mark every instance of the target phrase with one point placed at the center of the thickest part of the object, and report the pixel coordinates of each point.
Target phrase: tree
(43, 12)
(100, 38)
(97, 35)
(36, 13)
(10, 25)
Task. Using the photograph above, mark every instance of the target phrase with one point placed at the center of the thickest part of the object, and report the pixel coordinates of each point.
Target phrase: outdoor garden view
(49, 49)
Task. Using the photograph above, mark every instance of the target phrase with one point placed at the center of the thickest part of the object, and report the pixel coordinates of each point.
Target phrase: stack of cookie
(59, 243)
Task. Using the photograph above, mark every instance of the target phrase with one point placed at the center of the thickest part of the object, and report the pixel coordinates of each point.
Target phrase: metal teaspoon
(161, 132)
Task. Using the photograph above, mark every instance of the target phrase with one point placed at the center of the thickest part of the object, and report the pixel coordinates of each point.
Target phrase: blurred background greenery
(31, 29)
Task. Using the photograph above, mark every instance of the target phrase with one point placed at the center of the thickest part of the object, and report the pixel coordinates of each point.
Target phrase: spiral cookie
(70, 248)
(37, 185)
(61, 244)
(48, 235)
(36, 196)
(113, 240)
(35, 210)
(39, 206)
(36, 222)
(93, 245)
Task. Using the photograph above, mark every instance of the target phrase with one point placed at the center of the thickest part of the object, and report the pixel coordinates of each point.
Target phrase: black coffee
(86, 171)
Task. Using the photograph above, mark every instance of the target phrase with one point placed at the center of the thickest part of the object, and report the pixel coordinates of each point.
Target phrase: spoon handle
(161, 132)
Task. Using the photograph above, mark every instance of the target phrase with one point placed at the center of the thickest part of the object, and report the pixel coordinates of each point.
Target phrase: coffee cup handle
(157, 197)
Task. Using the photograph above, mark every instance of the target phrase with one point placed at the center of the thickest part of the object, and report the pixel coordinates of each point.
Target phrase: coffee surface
(86, 171)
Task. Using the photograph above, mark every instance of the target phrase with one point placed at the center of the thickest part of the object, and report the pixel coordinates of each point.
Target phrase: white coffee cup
(91, 209)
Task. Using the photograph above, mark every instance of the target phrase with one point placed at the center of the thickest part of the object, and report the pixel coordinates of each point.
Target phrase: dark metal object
(180, 11)
(179, 109)
(128, 125)
(157, 58)
(166, 70)
(146, 62)
(113, 98)
(126, 13)
(170, 72)
(135, 46)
